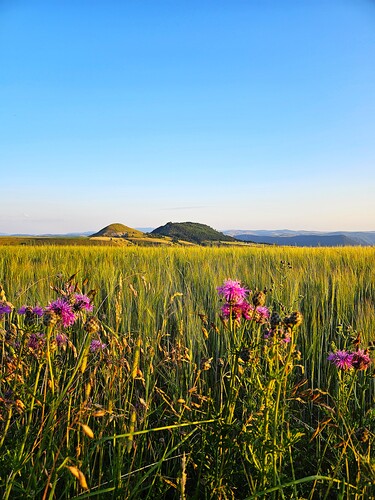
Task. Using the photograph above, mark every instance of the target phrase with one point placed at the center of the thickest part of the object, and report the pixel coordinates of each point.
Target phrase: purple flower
(269, 334)
(82, 302)
(61, 340)
(260, 314)
(5, 308)
(37, 310)
(63, 309)
(96, 345)
(263, 313)
(36, 341)
(229, 310)
(342, 359)
(361, 360)
(232, 292)
(246, 309)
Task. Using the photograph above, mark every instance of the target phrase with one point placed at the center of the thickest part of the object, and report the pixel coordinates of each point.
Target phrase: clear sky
(239, 114)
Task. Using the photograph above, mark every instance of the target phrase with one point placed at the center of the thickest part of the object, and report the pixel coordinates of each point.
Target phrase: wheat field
(174, 400)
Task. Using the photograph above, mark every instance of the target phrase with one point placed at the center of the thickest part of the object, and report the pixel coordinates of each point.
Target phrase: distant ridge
(118, 230)
(306, 238)
(302, 240)
(193, 232)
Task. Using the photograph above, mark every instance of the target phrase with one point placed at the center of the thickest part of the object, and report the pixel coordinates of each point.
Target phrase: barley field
(187, 373)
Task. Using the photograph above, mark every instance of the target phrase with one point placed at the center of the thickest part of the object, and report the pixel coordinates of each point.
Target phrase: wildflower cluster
(237, 306)
(58, 315)
(67, 308)
(350, 360)
(64, 310)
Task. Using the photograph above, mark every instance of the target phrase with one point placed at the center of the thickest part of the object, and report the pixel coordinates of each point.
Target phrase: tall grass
(168, 409)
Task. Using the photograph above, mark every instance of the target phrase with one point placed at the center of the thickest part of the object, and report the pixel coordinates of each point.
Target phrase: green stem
(49, 359)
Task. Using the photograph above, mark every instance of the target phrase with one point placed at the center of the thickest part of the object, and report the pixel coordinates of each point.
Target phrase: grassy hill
(118, 230)
(193, 232)
(119, 234)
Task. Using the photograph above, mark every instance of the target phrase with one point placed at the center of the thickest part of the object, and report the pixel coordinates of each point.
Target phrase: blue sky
(252, 114)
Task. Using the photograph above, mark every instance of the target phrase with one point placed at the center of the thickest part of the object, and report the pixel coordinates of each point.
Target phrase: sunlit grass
(165, 410)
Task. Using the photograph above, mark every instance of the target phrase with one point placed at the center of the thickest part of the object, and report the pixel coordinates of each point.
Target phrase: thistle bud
(259, 299)
(295, 319)
(92, 325)
(50, 318)
(275, 320)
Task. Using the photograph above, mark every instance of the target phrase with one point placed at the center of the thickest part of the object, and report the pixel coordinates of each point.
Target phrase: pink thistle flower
(246, 309)
(64, 310)
(61, 340)
(232, 292)
(361, 360)
(82, 302)
(287, 338)
(260, 314)
(96, 345)
(342, 359)
(36, 341)
(234, 311)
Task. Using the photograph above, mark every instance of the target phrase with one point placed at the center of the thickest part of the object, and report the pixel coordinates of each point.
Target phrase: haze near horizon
(238, 115)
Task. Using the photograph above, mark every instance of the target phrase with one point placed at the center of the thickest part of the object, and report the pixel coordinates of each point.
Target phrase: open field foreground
(187, 373)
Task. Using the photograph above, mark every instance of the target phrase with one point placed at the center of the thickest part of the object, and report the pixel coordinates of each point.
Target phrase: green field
(179, 403)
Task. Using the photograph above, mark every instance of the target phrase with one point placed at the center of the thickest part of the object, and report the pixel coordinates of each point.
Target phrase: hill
(193, 232)
(118, 230)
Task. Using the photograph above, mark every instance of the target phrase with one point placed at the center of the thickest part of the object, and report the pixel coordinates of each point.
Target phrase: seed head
(206, 364)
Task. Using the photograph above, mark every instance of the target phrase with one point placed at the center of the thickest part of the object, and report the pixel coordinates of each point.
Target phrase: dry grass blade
(79, 476)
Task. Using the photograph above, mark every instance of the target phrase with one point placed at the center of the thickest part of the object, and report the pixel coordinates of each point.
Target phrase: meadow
(126, 373)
